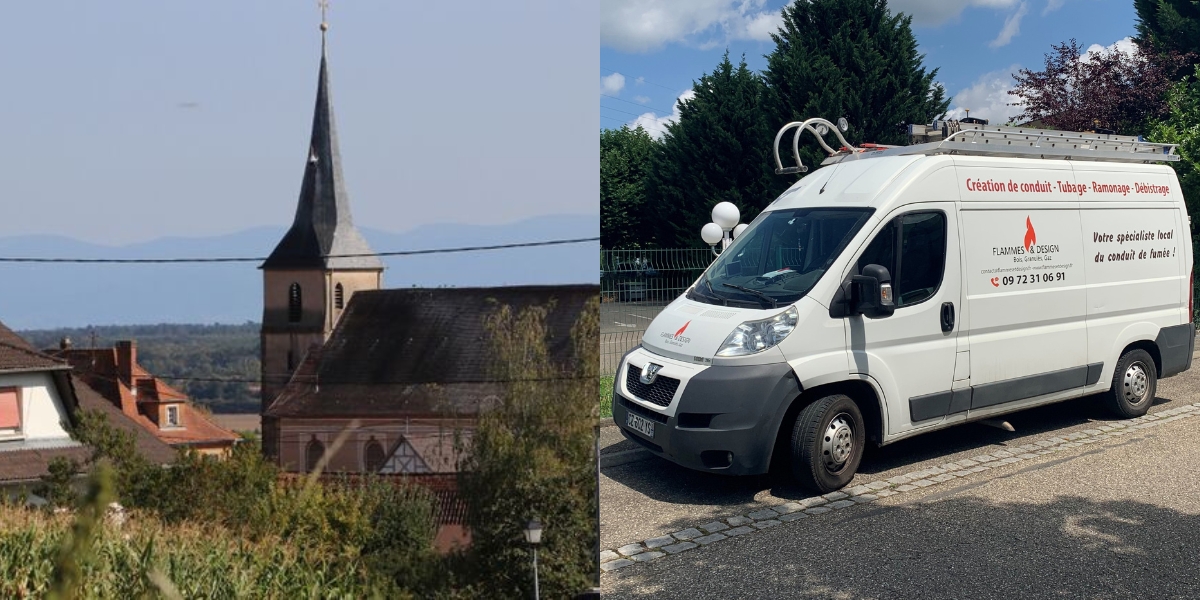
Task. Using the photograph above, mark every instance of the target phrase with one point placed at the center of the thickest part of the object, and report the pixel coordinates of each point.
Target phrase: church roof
(323, 226)
(426, 352)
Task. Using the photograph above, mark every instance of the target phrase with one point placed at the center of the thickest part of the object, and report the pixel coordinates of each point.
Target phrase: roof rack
(957, 137)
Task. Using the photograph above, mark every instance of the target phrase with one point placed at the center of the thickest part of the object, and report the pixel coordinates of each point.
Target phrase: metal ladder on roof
(955, 137)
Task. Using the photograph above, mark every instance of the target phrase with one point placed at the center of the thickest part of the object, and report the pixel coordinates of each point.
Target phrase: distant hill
(216, 365)
(66, 295)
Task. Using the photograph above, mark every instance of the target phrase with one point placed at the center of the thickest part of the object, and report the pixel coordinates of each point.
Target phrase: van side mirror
(870, 294)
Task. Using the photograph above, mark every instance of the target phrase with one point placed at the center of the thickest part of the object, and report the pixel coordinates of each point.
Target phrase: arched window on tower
(294, 304)
(313, 453)
(373, 456)
(339, 297)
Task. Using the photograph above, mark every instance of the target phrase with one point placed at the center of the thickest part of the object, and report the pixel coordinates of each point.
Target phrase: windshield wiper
(774, 304)
(715, 295)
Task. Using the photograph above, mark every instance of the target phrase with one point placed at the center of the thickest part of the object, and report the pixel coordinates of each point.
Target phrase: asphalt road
(1117, 518)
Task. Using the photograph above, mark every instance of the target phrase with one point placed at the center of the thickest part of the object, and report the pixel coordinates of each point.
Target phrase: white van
(902, 290)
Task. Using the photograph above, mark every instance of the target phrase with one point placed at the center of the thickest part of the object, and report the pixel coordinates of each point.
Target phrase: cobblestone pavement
(1069, 477)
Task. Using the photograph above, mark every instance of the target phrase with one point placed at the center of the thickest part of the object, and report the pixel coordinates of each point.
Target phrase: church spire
(323, 226)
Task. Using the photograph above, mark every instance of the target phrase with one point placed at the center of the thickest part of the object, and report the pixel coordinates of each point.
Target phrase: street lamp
(724, 227)
(533, 535)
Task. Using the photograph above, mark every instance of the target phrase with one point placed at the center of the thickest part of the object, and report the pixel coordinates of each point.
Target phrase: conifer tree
(718, 150)
(853, 59)
(1169, 26)
(624, 166)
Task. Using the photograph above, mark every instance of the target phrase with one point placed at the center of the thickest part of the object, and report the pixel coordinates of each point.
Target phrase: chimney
(64, 344)
(126, 358)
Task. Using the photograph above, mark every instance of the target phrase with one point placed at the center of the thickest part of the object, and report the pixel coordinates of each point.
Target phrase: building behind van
(900, 290)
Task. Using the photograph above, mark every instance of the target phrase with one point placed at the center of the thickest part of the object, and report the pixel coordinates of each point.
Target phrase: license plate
(640, 424)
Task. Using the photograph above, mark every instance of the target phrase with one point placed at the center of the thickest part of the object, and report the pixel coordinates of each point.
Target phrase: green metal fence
(634, 286)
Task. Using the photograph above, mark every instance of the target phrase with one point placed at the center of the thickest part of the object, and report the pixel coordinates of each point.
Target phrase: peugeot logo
(650, 373)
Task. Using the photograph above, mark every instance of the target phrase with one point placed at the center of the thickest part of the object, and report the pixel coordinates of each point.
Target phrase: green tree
(719, 150)
(56, 485)
(853, 59)
(1169, 26)
(624, 165)
(532, 457)
(1182, 126)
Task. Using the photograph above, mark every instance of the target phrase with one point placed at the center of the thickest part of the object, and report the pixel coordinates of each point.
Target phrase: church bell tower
(321, 261)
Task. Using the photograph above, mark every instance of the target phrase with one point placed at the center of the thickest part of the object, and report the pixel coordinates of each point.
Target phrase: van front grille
(660, 393)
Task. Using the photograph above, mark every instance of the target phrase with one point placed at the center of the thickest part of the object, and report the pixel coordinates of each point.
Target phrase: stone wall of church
(433, 438)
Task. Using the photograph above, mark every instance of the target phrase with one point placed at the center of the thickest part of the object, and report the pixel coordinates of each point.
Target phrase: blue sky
(652, 50)
(132, 120)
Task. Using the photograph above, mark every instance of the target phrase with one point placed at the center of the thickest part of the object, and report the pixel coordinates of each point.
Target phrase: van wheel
(1134, 384)
(827, 443)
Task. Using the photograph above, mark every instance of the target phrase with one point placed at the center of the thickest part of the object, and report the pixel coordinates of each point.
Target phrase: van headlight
(752, 337)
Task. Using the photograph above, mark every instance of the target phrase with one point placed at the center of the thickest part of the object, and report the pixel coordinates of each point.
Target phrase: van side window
(921, 249)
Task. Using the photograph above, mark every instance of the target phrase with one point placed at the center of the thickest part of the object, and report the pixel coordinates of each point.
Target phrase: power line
(620, 111)
(635, 103)
(644, 81)
(263, 258)
(308, 379)
(318, 381)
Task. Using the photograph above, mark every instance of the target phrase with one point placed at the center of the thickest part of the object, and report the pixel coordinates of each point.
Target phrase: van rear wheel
(1134, 384)
(828, 438)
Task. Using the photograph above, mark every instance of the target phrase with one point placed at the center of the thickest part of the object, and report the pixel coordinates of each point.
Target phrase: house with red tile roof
(158, 408)
(39, 400)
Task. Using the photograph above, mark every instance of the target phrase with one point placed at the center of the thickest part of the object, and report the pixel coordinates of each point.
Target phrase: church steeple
(305, 288)
(323, 225)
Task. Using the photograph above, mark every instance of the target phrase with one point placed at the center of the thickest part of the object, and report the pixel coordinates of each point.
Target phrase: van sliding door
(1025, 288)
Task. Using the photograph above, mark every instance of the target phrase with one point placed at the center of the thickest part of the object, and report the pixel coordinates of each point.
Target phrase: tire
(825, 455)
(1134, 384)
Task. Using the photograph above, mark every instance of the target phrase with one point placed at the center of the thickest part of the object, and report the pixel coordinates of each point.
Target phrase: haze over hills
(63, 295)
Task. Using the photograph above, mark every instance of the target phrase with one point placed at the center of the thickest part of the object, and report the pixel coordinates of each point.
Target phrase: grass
(606, 396)
(148, 557)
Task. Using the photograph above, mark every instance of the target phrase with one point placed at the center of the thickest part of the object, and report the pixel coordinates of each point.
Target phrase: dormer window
(173, 415)
(294, 304)
(10, 412)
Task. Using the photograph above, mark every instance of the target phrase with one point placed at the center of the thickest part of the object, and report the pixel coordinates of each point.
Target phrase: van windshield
(779, 257)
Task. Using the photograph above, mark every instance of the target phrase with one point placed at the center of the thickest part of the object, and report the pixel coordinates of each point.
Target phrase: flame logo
(681, 329)
(1030, 236)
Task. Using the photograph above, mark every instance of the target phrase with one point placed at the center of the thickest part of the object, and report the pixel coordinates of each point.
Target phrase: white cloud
(1053, 5)
(937, 12)
(640, 80)
(655, 125)
(988, 98)
(1125, 45)
(1012, 26)
(612, 84)
(641, 99)
(646, 25)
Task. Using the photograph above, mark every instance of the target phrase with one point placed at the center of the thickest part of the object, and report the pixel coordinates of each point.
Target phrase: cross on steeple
(322, 226)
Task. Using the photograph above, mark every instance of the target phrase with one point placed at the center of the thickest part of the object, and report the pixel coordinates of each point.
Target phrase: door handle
(947, 316)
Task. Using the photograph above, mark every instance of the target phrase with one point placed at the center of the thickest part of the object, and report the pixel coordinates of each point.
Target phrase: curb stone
(771, 516)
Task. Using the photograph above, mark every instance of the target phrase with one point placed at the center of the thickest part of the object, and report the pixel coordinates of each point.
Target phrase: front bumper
(722, 419)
